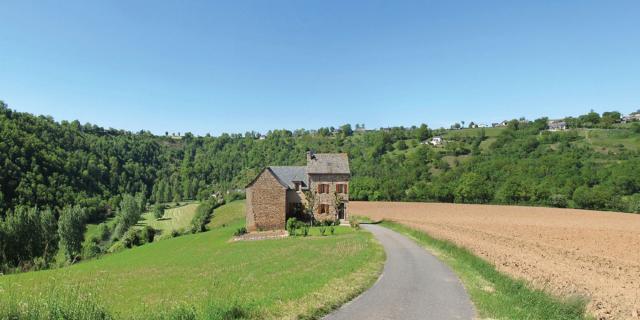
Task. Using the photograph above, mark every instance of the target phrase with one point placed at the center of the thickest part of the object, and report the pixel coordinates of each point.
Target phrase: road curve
(413, 285)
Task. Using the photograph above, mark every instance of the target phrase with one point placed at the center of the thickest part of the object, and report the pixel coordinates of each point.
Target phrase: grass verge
(494, 294)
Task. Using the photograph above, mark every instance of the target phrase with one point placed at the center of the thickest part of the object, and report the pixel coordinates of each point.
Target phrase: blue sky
(213, 67)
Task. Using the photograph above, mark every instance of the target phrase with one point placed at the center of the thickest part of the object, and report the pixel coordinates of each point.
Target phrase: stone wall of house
(328, 198)
(266, 203)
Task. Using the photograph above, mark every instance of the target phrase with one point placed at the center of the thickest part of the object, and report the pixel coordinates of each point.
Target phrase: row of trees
(30, 237)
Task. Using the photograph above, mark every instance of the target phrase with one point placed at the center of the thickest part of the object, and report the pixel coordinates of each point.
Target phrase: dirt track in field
(566, 252)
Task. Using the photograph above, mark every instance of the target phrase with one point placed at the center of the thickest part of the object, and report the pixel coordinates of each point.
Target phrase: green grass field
(605, 140)
(494, 294)
(203, 276)
(174, 218)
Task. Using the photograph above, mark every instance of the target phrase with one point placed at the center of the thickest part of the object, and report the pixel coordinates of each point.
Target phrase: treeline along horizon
(51, 165)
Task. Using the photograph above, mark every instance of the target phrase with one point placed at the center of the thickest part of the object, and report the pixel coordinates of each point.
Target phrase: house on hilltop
(557, 125)
(632, 117)
(504, 123)
(278, 192)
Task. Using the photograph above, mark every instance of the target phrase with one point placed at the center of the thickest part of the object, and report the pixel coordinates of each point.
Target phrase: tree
(23, 234)
(346, 130)
(597, 197)
(310, 205)
(472, 188)
(141, 200)
(158, 211)
(49, 230)
(128, 214)
(71, 227)
(591, 118)
(610, 117)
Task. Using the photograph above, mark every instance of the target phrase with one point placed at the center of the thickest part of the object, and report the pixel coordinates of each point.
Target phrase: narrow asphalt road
(414, 285)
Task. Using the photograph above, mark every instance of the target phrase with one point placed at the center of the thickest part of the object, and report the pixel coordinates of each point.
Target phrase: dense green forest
(56, 176)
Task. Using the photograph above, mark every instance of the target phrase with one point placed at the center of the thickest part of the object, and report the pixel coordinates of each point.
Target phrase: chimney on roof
(310, 156)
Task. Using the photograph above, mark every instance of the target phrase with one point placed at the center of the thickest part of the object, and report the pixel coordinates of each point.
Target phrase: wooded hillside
(52, 165)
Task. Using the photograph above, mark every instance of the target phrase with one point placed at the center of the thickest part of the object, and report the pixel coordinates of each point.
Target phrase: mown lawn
(205, 276)
(177, 218)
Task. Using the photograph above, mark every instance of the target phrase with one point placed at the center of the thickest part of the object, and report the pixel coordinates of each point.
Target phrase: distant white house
(557, 125)
(483, 125)
(500, 124)
(435, 141)
(632, 117)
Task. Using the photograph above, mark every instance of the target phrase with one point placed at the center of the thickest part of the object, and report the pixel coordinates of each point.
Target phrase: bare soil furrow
(566, 252)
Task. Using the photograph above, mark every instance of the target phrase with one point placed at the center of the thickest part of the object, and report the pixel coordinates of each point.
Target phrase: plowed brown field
(566, 252)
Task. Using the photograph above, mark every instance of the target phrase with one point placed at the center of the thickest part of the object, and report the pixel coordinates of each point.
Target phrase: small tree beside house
(338, 202)
(310, 206)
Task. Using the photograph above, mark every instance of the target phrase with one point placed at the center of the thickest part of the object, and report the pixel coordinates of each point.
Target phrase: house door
(341, 213)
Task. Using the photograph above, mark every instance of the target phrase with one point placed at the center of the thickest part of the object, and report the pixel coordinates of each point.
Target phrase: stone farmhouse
(278, 193)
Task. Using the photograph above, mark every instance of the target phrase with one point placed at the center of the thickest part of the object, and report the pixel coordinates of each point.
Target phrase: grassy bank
(203, 276)
(495, 295)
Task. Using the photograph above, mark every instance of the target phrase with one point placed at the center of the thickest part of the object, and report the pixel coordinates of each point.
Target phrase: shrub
(305, 230)
(332, 230)
(240, 231)
(202, 216)
(132, 238)
(354, 224)
(148, 233)
(158, 210)
(175, 233)
(633, 203)
(292, 225)
(233, 196)
(559, 201)
(91, 248)
(323, 229)
(104, 232)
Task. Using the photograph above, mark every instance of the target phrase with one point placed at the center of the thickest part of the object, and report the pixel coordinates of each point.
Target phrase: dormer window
(297, 185)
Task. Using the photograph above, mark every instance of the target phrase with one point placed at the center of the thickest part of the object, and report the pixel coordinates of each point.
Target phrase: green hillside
(50, 166)
(204, 274)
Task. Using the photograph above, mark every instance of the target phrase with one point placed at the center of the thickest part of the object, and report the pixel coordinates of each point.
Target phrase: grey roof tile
(289, 174)
(332, 163)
